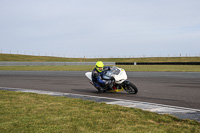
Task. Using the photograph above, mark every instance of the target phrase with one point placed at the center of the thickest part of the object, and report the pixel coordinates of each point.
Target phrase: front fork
(125, 83)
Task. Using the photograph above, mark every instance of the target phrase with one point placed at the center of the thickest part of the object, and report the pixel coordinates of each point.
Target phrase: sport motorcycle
(118, 80)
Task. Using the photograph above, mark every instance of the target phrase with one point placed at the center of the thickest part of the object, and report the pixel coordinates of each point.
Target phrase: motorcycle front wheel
(131, 88)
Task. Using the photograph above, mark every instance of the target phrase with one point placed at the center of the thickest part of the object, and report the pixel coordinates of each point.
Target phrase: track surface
(170, 88)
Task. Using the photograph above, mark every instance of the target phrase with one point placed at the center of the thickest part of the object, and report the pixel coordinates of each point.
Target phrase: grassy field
(23, 58)
(163, 68)
(28, 112)
(152, 68)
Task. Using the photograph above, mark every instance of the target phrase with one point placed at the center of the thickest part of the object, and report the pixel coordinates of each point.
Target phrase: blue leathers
(96, 77)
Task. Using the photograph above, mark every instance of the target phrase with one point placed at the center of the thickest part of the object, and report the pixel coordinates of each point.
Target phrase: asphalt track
(170, 88)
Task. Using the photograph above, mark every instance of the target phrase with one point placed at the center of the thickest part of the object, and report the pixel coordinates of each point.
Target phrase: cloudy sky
(100, 28)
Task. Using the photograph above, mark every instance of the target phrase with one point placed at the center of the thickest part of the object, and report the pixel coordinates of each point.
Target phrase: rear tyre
(131, 88)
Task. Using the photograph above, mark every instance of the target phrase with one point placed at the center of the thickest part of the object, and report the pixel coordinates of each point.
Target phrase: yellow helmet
(99, 66)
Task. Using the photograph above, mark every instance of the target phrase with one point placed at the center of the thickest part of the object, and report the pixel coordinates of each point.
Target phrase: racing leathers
(97, 79)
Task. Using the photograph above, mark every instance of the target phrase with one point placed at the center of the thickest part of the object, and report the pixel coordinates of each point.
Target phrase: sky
(100, 28)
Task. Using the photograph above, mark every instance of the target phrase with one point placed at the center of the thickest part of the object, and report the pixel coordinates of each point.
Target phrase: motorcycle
(118, 78)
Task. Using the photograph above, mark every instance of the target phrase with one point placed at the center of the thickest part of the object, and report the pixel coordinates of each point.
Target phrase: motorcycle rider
(97, 74)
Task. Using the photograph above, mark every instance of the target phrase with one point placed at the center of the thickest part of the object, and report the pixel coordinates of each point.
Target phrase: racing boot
(100, 89)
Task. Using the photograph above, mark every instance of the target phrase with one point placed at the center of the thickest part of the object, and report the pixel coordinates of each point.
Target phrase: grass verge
(161, 68)
(23, 58)
(28, 112)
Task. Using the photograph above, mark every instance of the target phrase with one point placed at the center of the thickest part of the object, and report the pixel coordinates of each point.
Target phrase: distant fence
(157, 63)
(6, 63)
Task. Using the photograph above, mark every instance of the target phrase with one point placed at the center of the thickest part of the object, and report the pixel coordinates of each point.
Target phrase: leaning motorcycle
(118, 78)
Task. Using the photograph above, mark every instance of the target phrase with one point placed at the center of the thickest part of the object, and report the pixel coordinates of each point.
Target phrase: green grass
(23, 58)
(171, 68)
(28, 112)
(161, 68)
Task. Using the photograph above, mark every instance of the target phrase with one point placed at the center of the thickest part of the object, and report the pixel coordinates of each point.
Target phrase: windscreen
(115, 70)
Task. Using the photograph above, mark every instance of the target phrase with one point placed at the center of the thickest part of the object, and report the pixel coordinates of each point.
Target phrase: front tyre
(130, 88)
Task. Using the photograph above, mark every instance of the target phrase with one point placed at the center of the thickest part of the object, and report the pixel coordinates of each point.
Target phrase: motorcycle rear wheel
(131, 88)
